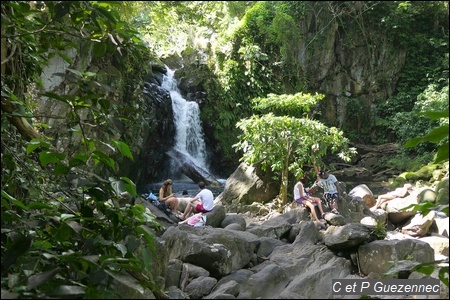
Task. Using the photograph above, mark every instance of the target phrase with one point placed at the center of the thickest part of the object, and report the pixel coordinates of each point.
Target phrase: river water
(179, 185)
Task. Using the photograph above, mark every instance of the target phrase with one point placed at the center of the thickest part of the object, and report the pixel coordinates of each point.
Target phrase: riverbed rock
(364, 192)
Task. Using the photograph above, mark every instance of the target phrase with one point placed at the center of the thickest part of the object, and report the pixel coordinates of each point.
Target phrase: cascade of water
(189, 136)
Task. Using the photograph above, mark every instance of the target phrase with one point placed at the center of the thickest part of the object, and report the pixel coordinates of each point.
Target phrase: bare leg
(313, 210)
(189, 209)
(173, 202)
(383, 198)
(319, 204)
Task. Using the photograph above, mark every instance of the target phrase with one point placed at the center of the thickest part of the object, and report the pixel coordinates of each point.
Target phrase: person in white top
(303, 198)
(331, 190)
(203, 202)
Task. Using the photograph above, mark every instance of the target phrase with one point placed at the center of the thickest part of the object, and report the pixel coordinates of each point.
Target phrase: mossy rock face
(398, 181)
(442, 192)
(410, 176)
(443, 184)
(426, 172)
(442, 197)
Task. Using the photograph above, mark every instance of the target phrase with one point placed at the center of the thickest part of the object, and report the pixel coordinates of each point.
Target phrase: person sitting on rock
(303, 198)
(203, 202)
(167, 196)
(399, 192)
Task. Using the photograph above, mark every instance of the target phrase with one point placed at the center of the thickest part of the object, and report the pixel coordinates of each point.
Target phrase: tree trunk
(285, 176)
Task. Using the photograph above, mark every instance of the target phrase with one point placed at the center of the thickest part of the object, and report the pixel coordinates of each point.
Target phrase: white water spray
(189, 136)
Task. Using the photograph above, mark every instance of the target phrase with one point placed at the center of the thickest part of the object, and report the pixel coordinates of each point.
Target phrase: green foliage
(257, 24)
(66, 230)
(358, 126)
(271, 25)
(426, 207)
(53, 236)
(407, 125)
(404, 162)
(424, 77)
(423, 268)
(285, 144)
(437, 135)
(379, 231)
(297, 105)
(272, 138)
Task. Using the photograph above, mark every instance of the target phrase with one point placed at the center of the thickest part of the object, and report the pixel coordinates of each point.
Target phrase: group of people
(203, 202)
(332, 194)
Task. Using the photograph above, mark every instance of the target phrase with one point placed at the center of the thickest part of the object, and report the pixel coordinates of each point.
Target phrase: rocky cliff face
(139, 110)
(354, 67)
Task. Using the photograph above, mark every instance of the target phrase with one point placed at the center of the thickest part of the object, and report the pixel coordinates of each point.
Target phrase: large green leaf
(435, 115)
(36, 143)
(123, 148)
(47, 157)
(78, 160)
(105, 159)
(14, 250)
(130, 186)
(61, 169)
(63, 99)
(6, 197)
(127, 281)
(434, 136)
(37, 279)
(118, 186)
(442, 154)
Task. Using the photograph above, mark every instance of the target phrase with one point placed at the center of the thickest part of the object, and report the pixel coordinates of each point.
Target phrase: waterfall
(189, 136)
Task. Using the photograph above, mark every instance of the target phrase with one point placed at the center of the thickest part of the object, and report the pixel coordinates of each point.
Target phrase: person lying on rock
(203, 202)
(399, 192)
(304, 199)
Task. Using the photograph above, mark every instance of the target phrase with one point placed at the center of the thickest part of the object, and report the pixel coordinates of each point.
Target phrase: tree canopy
(285, 143)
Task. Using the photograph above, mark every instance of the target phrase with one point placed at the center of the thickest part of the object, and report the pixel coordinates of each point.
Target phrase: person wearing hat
(167, 196)
(331, 190)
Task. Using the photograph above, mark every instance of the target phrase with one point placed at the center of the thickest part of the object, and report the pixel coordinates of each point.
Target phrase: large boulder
(347, 237)
(419, 225)
(379, 256)
(442, 192)
(246, 185)
(217, 250)
(397, 208)
(364, 192)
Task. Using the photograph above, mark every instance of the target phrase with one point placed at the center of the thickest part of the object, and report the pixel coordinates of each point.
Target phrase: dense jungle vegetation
(62, 241)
